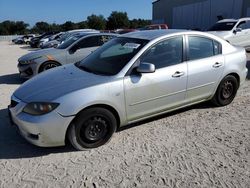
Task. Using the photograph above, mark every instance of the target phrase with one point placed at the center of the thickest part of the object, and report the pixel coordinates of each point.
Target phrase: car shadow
(248, 66)
(14, 146)
(11, 79)
(203, 105)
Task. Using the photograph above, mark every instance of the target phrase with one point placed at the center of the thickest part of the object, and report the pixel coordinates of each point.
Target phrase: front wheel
(226, 91)
(48, 65)
(92, 128)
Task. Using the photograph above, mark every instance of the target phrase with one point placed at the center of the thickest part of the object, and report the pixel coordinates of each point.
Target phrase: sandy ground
(200, 146)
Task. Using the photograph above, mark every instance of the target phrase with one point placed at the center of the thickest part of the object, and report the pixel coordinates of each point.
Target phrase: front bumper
(27, 71)
(47, 130)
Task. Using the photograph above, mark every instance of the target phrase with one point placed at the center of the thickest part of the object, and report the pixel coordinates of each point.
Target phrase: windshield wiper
(86, 69)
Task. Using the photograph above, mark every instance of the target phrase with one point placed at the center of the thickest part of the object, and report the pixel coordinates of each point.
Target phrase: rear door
(205, 67)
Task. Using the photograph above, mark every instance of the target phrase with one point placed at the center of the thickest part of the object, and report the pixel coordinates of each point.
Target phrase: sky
(60, 11)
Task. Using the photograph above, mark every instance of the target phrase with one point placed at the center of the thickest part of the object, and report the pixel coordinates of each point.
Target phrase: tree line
(116, 20)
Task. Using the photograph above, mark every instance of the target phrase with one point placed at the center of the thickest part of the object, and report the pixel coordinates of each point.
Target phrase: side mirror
(73, 49)
(146, 68)
(237, 30)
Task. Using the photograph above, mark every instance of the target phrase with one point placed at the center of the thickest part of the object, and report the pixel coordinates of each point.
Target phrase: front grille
(13, 103)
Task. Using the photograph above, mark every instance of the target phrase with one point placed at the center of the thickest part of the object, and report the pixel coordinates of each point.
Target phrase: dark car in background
(36, 40)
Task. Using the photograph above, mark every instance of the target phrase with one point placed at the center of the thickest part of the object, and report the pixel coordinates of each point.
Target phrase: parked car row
(131, 77)
(73, 49)
(23, 39)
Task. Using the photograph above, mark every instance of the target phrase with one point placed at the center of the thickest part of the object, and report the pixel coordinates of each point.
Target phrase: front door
(150, 93)
(242, 36)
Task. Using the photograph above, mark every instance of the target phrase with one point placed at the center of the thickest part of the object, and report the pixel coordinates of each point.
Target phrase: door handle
(217, 65)
(178, 74)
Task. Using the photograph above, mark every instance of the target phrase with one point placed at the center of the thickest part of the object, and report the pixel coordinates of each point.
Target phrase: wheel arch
(105, 106)
(53, 61)
(235, 75)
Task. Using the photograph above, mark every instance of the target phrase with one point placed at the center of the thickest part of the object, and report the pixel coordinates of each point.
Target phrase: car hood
(221, 34)
(57, 82)
(39, 53)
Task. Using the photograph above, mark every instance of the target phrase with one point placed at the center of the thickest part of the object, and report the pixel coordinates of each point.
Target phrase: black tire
(48, 65)
(92, 128)
(226, 91)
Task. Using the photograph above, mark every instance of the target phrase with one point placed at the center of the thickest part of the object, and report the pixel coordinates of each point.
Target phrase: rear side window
(94, 41)
(217, 48)
(89, 42)
(105, 38)
(200, 47)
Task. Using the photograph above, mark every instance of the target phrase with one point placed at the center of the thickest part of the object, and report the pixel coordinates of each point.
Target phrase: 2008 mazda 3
(132, 77)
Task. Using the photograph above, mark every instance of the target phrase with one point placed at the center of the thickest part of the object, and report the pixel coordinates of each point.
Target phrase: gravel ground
(200, 146)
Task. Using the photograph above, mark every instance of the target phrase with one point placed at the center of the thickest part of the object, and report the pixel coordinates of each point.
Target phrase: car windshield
(112, 56)
(222, 26)
(69, 41)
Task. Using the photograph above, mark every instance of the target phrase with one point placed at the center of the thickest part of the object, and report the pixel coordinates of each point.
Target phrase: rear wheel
(92, 128)
(48, 65)
(226, 91)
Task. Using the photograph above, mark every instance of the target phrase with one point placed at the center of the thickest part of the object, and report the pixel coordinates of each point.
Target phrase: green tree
(20, 28)
(118, 20)
(96, 22)
(139, 23)
(68, 26)
(55, 27)
(10, 27)
(82, 25)
(41, 27)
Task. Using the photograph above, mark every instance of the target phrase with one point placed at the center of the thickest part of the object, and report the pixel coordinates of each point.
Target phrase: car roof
(152, 34)
(233, 20)
(227, 20)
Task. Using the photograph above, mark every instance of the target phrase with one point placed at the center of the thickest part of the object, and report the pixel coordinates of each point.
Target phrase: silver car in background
(130, 78)
(54, 43)
(237, 32)
(72, 50)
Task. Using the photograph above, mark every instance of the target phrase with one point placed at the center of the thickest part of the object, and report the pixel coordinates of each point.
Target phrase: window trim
(137, 61)
(213, 40)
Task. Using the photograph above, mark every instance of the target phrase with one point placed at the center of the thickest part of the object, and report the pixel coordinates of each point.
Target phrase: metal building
(197, 14)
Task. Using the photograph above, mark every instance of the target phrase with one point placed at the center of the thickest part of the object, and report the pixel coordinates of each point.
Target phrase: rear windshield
(223, 26)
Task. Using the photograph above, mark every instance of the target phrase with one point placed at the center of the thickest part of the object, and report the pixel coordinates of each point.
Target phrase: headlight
(39, 108)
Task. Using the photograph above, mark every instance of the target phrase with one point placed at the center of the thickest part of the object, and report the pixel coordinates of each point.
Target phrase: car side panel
(203, 77)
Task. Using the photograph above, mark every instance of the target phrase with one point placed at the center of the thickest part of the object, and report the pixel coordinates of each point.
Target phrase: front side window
(112, 56)
(166, 53)
(200, 47)
(244, 25)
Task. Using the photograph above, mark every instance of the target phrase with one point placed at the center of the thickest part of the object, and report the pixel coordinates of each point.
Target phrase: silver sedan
(72, 50)
(130, 78)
